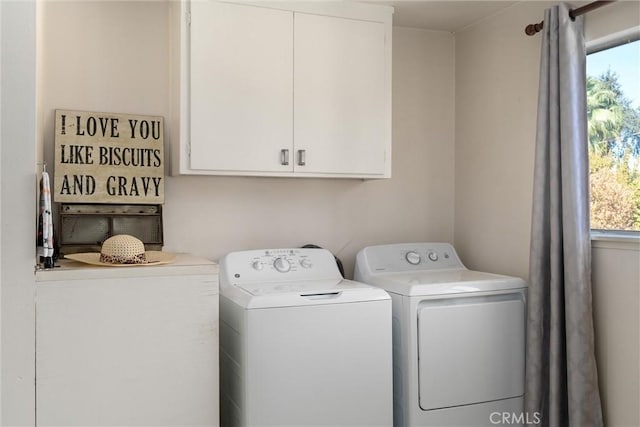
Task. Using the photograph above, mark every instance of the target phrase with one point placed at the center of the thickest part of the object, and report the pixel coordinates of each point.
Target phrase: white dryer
(300, 346)
(458, 335)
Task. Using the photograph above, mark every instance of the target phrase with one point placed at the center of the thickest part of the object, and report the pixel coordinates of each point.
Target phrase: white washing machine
(458, 335)
(300, 346)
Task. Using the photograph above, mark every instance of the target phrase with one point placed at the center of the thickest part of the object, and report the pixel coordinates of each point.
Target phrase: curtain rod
(532, 29)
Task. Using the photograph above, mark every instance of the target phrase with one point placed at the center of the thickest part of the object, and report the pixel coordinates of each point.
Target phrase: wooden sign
(108, 158)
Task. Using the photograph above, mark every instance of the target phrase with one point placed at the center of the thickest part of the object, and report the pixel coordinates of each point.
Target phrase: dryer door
(471, 349)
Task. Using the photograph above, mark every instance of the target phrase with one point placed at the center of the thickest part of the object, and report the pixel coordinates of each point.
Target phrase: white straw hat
(123, 250)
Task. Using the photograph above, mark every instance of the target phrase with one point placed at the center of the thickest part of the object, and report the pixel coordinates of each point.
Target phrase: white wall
(497, 69)
(496, 100)
(113, 57)
(1, 58)
(17, 195)
(616, 307)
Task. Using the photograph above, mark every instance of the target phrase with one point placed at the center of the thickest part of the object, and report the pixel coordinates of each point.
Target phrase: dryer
(458, 335)
(301, 346)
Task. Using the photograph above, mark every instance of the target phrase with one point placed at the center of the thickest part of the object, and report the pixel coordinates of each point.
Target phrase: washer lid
(455, 281)
(302, 293)
(298, 288)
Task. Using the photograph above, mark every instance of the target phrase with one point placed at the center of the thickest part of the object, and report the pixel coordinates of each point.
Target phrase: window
(613, 110)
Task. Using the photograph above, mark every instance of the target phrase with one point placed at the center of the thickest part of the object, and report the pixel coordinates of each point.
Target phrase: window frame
(611, 41)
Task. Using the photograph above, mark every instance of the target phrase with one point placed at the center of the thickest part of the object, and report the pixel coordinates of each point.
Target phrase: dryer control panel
(272, 265)
(409, 257)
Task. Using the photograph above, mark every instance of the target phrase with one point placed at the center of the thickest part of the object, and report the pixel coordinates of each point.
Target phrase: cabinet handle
(284, 156)
(302, 157)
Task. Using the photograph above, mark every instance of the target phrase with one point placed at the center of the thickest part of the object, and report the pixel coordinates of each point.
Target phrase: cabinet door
(340, 95)
(127, 351)
(241, 72)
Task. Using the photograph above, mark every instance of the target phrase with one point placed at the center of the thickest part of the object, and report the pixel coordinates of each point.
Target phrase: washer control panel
(410, 257)
(280, 264)
(281, 260)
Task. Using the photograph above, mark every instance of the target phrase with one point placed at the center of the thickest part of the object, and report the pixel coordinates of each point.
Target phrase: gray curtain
(561, 376)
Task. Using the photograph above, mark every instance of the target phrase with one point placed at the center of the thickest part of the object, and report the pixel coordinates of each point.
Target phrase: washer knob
(257, 265)
(433, 256)
(305, 263)
(413, 258)
(282, 265)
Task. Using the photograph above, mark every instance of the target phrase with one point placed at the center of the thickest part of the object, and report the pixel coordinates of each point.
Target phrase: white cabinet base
(128, 346)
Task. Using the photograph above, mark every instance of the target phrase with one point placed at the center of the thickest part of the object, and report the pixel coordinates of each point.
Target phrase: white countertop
(184, 264)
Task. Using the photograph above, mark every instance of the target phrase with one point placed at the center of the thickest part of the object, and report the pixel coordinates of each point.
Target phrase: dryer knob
(257, 265)
(433, 256)
(282, 265)
(413, 258)
(305, 263)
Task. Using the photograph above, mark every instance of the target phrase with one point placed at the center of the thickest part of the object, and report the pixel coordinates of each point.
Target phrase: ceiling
(451, 15)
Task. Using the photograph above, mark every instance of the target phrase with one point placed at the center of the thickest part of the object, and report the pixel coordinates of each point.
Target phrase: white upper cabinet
(282, 89)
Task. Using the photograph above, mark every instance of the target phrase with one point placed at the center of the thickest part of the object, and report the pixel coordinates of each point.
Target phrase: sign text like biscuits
(108, 158)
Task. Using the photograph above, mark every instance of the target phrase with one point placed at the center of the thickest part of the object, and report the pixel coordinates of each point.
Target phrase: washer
(458, 335)
(300, 346)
